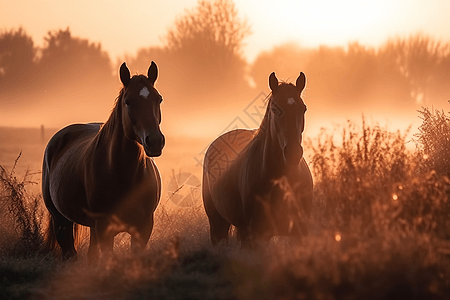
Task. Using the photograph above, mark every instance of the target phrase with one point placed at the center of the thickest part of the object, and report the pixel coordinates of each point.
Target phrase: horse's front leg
(244, 237)
(101, 240)
(140, 235)
(301, 211)
(94, 250)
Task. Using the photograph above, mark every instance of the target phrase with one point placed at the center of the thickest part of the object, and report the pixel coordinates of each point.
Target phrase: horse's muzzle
(292, 153)
(154, 144)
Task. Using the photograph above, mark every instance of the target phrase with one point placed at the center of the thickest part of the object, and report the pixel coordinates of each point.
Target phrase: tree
(74, 59)
(213, 24)
(76, 78)
(353, 80)
(17, 60)
(205, 49)
(286, 60)
(424, 63)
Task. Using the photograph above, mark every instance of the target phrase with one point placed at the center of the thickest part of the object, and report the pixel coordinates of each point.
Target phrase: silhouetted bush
(23, 210)
(433, 141)
(370, 185)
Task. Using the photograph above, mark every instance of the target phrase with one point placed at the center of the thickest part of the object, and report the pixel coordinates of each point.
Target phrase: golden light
(320, 22)
(337, 237)
(395, 197)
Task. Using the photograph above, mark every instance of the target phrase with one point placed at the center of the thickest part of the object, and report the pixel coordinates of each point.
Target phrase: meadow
(379, 228)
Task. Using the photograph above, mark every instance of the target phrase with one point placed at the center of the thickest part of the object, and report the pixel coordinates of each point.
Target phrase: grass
(379, 229)
(24, 212)
(433, 141)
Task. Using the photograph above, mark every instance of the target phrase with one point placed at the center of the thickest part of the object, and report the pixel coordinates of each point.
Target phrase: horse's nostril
(155, 142)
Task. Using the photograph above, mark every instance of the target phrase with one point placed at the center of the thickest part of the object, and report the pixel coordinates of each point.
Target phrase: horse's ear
(301, 82)
(125, 76)
(273, 82)
(152, 73)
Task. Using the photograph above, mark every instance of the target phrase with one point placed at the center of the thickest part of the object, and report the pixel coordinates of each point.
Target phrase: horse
(257, 180)
(103, 176)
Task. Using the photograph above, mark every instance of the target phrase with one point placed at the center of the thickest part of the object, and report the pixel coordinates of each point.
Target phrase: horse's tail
(50, 243)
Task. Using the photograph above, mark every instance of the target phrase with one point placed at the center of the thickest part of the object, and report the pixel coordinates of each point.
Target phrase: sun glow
(323, 22)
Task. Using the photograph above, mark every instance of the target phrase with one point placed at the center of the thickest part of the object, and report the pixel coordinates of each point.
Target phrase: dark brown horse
(102, 176)
(258, 180)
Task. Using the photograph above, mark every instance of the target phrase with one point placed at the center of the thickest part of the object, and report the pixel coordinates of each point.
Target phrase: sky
(123, 27)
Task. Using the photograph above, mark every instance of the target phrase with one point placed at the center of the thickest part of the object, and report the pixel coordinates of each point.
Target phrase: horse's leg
(218, 226)
(104, 236)
(140, 236)
(62, 227)
(255, 233)
(64, 235)
(304, 210)
(244, 237)
(94, 249)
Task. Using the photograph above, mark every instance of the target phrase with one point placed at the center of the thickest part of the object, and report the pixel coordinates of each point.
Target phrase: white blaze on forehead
(144, 92)
(290, 101)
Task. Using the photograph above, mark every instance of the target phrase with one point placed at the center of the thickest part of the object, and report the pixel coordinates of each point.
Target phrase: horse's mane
(115, 116)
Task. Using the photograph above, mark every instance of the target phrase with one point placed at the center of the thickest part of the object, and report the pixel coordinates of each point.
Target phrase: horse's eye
(127, 102)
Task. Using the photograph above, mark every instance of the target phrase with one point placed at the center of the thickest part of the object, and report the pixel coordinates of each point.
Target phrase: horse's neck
(116, 147)
(272, 157)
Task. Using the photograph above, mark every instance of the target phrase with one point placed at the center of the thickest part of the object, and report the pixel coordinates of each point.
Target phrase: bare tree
(205, 51)
(424, 62)
(212, 25)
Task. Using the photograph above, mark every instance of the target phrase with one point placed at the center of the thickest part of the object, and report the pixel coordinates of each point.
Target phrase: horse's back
(223, 151)
(68, 136)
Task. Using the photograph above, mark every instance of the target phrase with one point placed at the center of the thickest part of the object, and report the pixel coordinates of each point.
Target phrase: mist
(207, 83)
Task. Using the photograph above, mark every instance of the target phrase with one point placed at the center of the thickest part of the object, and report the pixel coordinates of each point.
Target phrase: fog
(207, 84)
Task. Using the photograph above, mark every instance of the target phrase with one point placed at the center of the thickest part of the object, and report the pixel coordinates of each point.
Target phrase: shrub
(433, 141)
(23, 210)
(371, 185)
(352, 178)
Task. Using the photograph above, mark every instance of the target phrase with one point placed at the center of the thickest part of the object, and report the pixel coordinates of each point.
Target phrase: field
(379, 228)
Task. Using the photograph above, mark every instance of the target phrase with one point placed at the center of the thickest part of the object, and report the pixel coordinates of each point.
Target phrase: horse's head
(287, 117)
(141, 112)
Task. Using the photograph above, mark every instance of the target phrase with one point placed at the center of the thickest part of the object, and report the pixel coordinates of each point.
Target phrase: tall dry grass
(433, 141)
(21, 213)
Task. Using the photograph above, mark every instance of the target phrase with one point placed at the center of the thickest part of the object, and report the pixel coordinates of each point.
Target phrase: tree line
(202, 58)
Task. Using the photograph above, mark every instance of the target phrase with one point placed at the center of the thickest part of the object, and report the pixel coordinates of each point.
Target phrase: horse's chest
(270, 187)
(111, 192)
(112, 188)
(272, 194)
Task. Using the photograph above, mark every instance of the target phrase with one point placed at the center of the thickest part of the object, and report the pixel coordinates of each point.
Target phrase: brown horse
(102, 176)
(258, 180)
